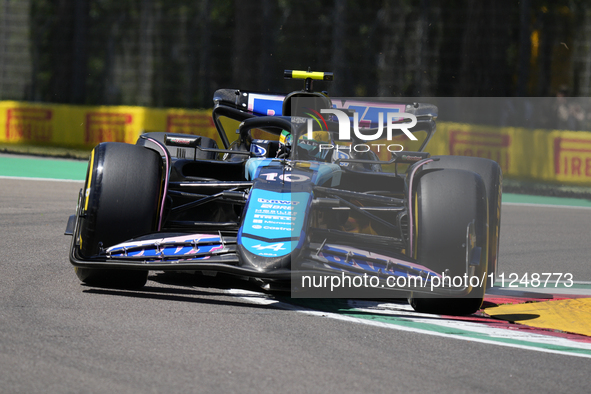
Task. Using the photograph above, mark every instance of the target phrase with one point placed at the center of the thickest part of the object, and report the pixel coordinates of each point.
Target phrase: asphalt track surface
(184, 334)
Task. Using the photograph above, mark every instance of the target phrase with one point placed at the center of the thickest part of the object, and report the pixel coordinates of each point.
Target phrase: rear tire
(447, 201)
(122, 201)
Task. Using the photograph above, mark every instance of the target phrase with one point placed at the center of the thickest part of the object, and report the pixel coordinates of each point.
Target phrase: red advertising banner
(492, 146)
(107, 126)
(572, 158)
(28, 124)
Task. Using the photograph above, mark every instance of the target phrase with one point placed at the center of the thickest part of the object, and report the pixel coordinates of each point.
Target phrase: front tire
(123, 186)
(446, 201)
(491, 174)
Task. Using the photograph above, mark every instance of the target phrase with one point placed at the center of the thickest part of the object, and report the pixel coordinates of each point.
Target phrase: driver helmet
(284, 144)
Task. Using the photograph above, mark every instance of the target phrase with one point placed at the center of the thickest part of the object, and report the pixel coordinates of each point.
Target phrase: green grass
(46, 151)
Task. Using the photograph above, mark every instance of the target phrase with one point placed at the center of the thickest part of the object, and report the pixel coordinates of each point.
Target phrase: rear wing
(242, 104)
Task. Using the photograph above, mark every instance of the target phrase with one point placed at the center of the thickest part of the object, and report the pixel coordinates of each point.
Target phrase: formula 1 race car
(300, 196)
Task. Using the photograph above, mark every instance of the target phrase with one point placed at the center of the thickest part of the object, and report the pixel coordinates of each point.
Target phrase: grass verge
(45, 151)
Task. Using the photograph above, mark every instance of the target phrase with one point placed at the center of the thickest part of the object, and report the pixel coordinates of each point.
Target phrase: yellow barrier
(82, 126)
(540, 155)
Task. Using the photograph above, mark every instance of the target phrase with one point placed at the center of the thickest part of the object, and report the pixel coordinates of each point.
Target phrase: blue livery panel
(274, 222)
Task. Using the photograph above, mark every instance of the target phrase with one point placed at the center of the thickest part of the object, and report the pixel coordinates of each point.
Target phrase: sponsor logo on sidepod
(281, 202)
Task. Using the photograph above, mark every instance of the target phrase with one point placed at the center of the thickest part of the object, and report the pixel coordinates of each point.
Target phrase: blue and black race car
(301, 192)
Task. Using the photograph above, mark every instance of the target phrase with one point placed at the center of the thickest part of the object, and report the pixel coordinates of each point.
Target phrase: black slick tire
(123, 186)
(491, 174)
(446, 201)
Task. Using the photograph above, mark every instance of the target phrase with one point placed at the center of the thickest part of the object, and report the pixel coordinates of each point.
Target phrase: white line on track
(403, 318)
(527, 204)
(24, 178)
(578, 288)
